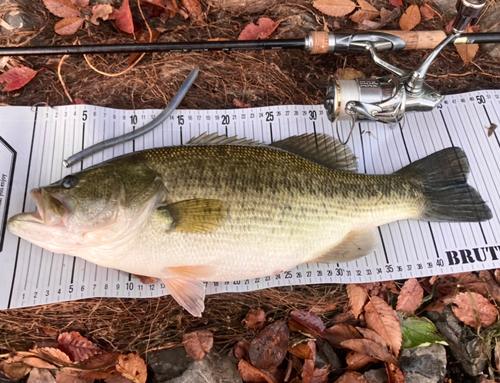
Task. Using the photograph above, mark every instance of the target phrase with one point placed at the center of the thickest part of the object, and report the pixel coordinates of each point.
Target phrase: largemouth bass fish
(227, 209)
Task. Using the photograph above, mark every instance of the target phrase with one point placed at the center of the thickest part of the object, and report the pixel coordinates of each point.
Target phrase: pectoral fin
(188, 292)
(195, 215)
(356, 244)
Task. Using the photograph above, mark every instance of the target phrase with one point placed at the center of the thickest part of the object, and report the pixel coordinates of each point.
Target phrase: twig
(61, 79)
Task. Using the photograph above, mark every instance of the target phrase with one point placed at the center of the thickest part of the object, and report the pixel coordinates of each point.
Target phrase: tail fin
(449, 197)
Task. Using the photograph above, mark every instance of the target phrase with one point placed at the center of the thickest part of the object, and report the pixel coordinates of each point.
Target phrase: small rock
(377, 376)
(424, 364)
(14, 20)
(211, 369)
(465, 346)
(169, 363)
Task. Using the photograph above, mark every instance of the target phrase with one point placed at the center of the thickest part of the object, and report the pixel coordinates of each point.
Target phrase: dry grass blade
(380, 318)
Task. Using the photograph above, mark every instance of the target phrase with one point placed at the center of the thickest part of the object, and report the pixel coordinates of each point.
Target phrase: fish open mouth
(52, 211)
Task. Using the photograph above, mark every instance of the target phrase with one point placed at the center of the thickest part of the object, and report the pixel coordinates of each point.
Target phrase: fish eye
(69, 182)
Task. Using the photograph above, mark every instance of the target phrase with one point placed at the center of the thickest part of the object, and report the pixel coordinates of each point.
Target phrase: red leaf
(18, 77)
(132, 367)
(310, 321)
(410, 297)
(340, 332)
(394, 373)
(474, 310)
(251, 374)
(262, 31)
(352, 377)
(396, 3)
(357, 298)
(240, 104)
(427, 11)
(380, 318)
(62, 8)
(370, 348)
(68, 26)
(76, 346)
(270, 346)
(254, 319)
(198, 343)
(123, 18)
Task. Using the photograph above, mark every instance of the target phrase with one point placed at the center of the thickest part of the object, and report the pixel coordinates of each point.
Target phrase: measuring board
(34, 142)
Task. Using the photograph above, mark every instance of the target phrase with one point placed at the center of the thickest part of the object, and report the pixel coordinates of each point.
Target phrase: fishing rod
(383, 99)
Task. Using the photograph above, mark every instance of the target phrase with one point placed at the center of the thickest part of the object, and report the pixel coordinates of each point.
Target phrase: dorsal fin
(222, 139)
(321, 149)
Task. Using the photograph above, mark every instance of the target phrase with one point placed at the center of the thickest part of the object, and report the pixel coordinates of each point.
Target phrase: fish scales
(226, 209)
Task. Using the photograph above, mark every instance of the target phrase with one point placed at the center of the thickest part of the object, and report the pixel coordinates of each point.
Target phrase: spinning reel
(386, 99)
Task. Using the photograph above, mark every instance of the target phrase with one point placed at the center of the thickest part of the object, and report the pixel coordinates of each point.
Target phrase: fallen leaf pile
(73, 359)
(75, 12)
(369, 334)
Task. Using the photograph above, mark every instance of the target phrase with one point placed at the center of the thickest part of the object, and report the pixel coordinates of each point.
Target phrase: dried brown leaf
(340, 332)
(320, 375)
(17, 77)
(370, 348)
(396, 3)
(15, 370)
(474, 310)
(49, 331)
(251, 374)
(68, 26)
(270, 346)
(123, 18)
(301, 350)
(253, 32)
(240, 104)
(81, 3)
(76, 346)
(357, 297)
(335, 8)
(38, 363)
(427, 11)
(132, 367)
(254, 319)
(394, 373)
(366, 12)
(52, 355)
(352, 377)
(117, 378)
(100, 362)
(410, 297)
(310, 321)
(410, 19)
(308, 367)
(61, 8)
(198, 343)
(380, 318)
(40, 376)
(63, 377)
(356, 360)
(193, 7)
(467, 52)
(241, 349)
(372, 335)
(101, 11)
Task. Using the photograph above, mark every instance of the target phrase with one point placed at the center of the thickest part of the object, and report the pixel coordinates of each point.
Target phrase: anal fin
(188, 292)
(356, 244)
